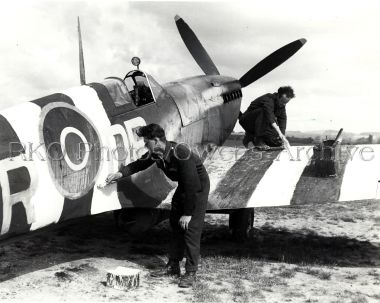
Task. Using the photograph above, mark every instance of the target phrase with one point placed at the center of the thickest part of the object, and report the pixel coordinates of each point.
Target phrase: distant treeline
(311, 140)
(308, 140)
(348, 140)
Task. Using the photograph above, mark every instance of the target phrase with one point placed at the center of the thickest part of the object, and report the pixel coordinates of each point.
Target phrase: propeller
(259, 70)
(270, 62)
(195, 47)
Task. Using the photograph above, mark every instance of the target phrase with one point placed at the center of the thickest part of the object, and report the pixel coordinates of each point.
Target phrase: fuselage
(56, 150)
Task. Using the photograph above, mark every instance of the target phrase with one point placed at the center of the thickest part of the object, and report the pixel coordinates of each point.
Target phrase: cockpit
(138, 87)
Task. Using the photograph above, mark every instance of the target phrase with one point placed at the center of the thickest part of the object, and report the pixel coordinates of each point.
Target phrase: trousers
(187, 242)
(257, 126)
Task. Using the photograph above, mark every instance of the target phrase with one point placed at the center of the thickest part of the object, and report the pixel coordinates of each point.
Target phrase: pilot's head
(154, 138)
(285, 93)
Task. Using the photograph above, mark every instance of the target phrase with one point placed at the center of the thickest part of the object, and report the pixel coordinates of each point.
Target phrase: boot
(171, 269)
(260, 144)
(188, 279)
(246, 140)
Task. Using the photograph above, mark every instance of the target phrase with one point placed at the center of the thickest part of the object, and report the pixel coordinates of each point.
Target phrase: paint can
(325, 160)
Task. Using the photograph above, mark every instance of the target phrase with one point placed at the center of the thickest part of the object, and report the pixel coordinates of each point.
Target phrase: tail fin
(82, 72)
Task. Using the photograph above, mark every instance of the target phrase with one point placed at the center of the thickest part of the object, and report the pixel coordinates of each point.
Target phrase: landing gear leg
(241, 222)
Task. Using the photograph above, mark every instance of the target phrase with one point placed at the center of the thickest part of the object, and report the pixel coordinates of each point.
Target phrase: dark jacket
(261, 114)
(179, 164)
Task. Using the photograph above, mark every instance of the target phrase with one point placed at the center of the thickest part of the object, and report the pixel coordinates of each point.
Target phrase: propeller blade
(271, 62)
(195, 47)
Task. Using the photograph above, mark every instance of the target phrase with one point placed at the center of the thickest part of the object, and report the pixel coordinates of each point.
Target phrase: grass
(294, 294)
(287, 273)
(319, 273)
(203, 293)
(374, 273)
(351, 276)
(239, 293)
(359, 299)
(270, 265)
(324, 275)
(63, 276)
(237, 279)
(85, 267)
(376, 296)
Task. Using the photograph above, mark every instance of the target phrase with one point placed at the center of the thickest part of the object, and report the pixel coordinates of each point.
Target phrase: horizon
(315, 131)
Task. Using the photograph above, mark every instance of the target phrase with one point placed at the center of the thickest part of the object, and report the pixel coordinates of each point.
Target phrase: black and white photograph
(190, 151)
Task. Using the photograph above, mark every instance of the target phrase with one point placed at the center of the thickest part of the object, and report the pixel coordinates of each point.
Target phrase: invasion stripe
(86, 100)
(278, 183)
(25, 119)
(236, 188)
(311, 189)
(7, 136)
(362, 174)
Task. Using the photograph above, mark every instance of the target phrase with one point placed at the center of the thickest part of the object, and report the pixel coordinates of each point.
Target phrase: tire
(240, 223)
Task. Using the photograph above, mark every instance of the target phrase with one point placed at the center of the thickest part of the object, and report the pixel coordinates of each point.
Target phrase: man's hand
(285, 141)
(184, 222)
(286, 144)
(113, 177)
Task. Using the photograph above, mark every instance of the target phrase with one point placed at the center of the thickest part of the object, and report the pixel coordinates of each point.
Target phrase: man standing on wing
(189, 202)
(265, 120)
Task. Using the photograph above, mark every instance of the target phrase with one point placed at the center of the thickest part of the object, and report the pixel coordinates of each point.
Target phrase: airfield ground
(326, 253)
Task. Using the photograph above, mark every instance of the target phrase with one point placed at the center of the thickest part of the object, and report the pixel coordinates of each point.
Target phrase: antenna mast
(82, 72)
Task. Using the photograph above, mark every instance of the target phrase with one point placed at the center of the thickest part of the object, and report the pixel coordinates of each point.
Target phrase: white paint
(361, 178)
(87, 101)
(64, 133)
(47, 201)
(277, 186)
(58, 182)
(137, 146)
(113, 131)
(24, 196)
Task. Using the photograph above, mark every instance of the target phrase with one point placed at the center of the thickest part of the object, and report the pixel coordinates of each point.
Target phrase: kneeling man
(265, 120)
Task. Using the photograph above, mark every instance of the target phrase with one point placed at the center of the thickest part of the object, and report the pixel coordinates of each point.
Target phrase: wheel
(240, 223)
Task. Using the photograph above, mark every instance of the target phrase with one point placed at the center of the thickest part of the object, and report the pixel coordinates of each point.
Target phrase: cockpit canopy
(136, 88)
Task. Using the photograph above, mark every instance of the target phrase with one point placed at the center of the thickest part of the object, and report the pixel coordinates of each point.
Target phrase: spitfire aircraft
(56, 151)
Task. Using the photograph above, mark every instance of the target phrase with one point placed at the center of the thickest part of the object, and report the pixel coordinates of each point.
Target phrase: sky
(335, 75)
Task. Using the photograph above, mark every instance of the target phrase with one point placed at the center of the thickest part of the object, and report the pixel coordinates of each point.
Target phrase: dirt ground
(314, 253)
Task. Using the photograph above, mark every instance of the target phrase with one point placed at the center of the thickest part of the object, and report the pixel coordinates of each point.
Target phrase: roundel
(72, 148)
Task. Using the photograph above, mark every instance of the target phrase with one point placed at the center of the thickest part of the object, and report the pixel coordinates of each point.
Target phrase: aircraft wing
(243, 178)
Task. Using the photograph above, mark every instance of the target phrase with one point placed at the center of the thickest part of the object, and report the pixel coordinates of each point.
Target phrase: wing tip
(303, 41)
